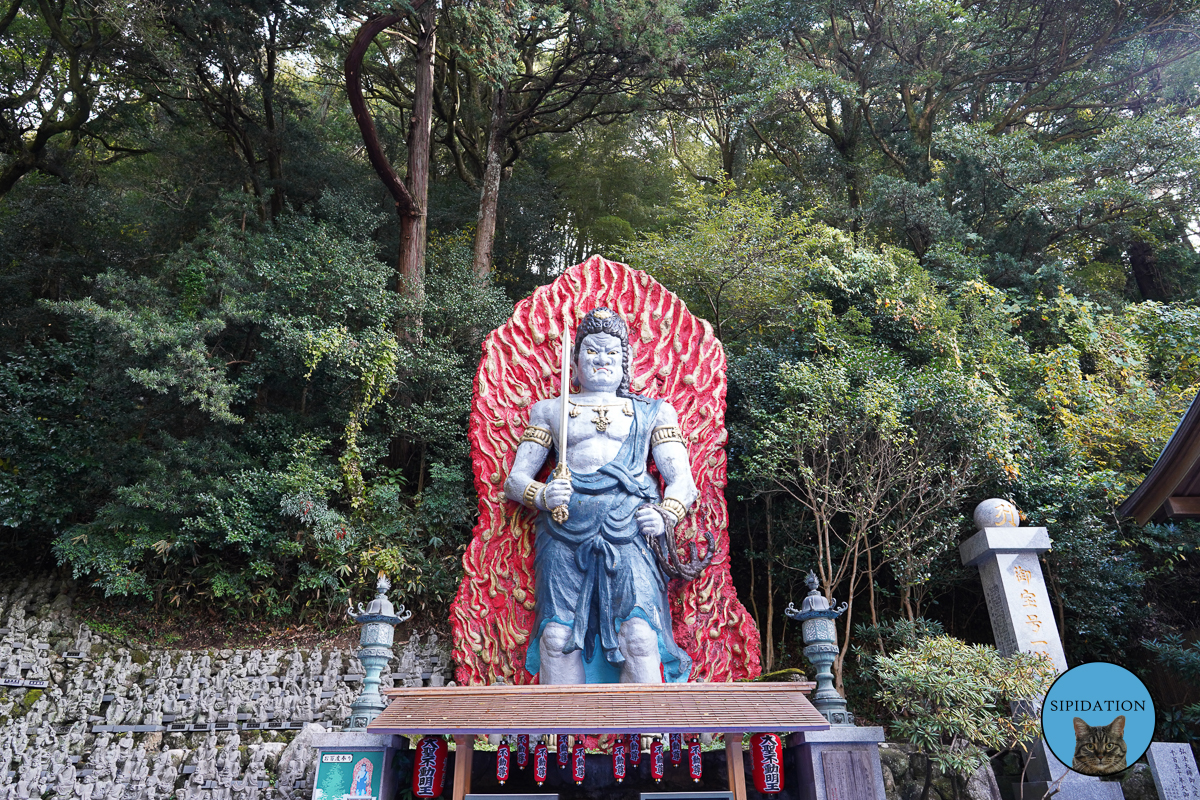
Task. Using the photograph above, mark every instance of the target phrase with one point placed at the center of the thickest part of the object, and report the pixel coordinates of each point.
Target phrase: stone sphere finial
(996, 513)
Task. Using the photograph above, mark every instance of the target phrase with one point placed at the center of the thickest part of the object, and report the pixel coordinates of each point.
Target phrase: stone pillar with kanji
(1023, 621)
(1017, 600)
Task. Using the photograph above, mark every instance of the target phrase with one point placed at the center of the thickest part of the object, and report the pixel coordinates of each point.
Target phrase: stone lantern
(821, 648)
(379, 620)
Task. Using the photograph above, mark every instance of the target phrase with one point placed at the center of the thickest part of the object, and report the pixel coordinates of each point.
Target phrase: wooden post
(464, 749)
(733, 764)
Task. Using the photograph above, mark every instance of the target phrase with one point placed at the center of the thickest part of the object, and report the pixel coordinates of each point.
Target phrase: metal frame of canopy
(732, 709)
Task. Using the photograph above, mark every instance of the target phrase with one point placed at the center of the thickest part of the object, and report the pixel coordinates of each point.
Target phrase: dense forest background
(950, 249)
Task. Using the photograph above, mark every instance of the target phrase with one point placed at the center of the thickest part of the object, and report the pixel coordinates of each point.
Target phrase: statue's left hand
(650, 522)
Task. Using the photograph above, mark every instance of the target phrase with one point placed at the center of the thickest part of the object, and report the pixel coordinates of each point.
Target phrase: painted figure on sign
(604, 531)
(360, 783)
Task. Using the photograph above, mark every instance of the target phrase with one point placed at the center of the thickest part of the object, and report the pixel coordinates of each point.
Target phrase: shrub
(954, 701)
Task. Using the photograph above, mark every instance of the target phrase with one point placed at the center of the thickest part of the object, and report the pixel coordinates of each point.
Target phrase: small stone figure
(117, 708)
(64, 781)
(16, 622)
(84, 790)
(409, 670)
(333, 668)
(289, 776)
(134, 714)
(165, 773)
(13, 668)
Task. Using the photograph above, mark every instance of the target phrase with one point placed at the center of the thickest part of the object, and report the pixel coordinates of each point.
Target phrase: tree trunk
(770, 629)
(410, 209)
(413, 231)
(1144, 262)
(840, 661)
(274, 145)
(928, 777)
(489, 198)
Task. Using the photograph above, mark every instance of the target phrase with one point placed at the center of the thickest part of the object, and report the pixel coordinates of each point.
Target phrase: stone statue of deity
(602, 611)
(615, 566)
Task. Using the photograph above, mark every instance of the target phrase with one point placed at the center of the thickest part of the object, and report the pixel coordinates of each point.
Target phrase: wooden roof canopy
(1171, 489)
(601, 708)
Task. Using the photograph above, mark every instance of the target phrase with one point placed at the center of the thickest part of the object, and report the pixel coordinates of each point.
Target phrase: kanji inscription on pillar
(1017, 599)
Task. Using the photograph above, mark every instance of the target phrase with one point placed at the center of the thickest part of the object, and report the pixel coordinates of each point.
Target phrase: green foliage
(419, 542)
(874, 400)
(857, 395)
(752, 270)
(1183, 661)
(267, 506)
(956, 701)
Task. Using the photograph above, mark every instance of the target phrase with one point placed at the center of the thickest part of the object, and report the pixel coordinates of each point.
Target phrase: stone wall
(85, 715)
(904, 775)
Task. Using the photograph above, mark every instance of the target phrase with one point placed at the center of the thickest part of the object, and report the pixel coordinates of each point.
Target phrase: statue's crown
(602, 313)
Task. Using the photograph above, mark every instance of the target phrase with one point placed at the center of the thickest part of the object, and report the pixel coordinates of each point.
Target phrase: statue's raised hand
(557, 493)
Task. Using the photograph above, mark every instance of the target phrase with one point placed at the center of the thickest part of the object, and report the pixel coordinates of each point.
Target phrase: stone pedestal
(839, 762)
(337, 755)
(1046, 771)
(1017, 600)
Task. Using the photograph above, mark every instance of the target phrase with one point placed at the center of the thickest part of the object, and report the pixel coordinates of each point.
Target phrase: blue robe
(596, 571)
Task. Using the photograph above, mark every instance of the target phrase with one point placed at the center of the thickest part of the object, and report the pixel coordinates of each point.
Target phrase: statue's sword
(562, 513)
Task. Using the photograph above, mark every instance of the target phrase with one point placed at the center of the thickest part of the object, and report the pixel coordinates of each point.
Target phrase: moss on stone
(25, 703)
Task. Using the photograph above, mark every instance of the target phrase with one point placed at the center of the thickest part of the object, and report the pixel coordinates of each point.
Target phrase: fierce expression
(599, 366)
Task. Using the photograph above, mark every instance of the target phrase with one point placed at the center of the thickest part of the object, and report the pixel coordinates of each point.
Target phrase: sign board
(686, 796)
(349, 774)
(1174, 771)
(847, 774)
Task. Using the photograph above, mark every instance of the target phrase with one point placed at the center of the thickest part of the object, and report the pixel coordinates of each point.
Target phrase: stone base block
(1046, 771)
(1099, 790)
(351, 739)
(839, 762)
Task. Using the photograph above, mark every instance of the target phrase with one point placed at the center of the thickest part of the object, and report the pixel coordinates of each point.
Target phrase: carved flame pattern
(678, 358)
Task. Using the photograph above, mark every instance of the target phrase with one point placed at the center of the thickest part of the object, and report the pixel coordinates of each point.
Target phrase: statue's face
(599, 367)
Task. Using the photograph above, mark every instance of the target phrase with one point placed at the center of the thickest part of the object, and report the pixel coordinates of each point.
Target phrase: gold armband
(536, 435)
(531, 492)
(675, 507)
(666, 433)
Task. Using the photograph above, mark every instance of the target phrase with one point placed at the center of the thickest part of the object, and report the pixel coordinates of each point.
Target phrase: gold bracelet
(674, 507)
(536, 435)
(666, 433)
(529, 496)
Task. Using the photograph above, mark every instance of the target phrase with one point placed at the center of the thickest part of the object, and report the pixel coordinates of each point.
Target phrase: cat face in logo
(1100, 749)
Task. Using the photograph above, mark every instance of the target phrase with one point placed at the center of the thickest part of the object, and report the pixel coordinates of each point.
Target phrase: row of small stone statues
(248, 687)
(130, 770)
(83, 716)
